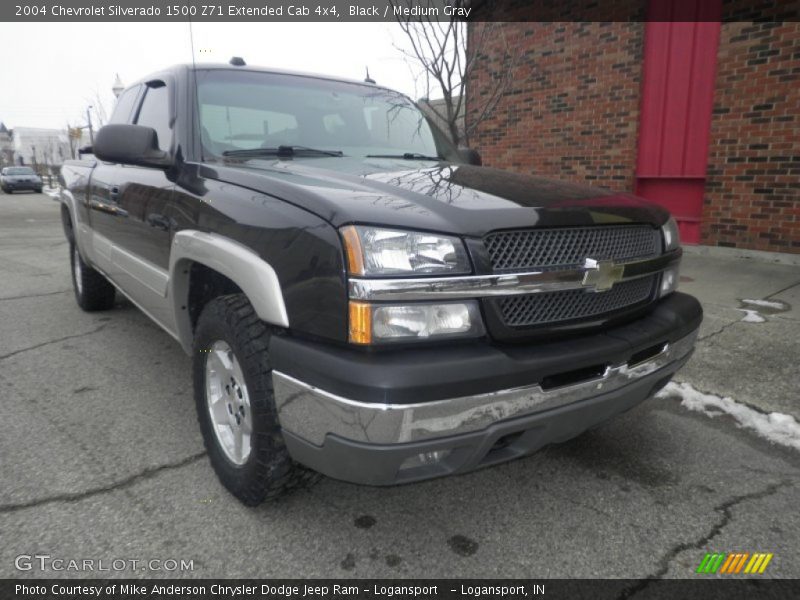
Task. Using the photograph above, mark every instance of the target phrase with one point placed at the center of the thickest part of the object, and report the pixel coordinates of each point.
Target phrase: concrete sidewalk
(747, 351)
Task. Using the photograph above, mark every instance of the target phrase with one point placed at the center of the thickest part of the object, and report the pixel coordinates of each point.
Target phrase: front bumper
(406, 415)
(22, 185)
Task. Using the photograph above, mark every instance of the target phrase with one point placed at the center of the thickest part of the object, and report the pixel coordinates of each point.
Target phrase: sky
(52, 71)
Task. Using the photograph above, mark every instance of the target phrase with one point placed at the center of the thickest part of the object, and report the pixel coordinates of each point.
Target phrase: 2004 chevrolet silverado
(359, 297)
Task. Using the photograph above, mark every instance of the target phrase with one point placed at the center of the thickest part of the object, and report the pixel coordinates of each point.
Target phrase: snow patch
(766, 303)
(751, 316)
(776, 427)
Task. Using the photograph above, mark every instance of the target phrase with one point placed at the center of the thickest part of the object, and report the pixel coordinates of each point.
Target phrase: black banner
(332, 11)
(399, 589)
(233, 10)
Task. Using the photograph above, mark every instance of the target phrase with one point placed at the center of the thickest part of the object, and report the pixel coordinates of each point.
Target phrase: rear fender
(75, 230)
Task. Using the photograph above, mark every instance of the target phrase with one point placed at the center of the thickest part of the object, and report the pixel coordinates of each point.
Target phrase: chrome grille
(553, 307)
(514, 251)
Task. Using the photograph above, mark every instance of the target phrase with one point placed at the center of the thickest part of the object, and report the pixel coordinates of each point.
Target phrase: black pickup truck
(359, 297)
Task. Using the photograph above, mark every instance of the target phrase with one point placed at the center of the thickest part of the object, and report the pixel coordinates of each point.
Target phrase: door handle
(111, 209)
(114, 192)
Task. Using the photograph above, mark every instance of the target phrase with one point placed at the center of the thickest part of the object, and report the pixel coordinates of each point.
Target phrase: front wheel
(92, 290)
(236, 406)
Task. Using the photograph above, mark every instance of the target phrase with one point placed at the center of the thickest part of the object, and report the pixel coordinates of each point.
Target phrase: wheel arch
(67, 223)
(69, 217)
(195, 253)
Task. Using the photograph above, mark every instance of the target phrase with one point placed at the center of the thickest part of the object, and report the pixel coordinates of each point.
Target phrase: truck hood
(452, 198)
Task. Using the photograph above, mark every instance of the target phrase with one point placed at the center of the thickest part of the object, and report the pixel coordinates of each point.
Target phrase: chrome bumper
(312, 413)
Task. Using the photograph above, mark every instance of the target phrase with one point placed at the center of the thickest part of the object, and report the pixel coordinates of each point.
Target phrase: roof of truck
(230, 67)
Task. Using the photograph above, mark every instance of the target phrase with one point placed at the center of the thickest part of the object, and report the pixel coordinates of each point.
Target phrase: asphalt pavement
(101, 457)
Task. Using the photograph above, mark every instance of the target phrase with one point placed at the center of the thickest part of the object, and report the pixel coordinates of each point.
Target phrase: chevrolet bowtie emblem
(601, 274)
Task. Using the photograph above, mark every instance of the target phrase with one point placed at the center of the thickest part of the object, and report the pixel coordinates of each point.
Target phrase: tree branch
(448, 53)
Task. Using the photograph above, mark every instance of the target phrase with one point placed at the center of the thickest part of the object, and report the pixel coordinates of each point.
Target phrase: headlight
(672, 238)
(375, 251)
(385, 323)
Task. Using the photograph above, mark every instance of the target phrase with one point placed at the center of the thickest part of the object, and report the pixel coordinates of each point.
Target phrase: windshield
(19, 171)
(247, 110)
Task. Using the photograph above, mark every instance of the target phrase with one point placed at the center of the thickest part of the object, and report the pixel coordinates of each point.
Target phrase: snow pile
(751, 316)
(766, 303)
(776, 427)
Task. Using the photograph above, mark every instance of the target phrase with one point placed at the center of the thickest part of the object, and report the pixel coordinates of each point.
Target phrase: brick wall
(753, 175)
(572, 111)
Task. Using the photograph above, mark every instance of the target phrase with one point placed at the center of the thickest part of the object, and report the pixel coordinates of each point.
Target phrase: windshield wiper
(407, 156)
(283, 151)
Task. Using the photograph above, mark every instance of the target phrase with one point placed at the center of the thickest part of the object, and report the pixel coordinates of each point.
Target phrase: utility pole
(69, 141)
(89, 124)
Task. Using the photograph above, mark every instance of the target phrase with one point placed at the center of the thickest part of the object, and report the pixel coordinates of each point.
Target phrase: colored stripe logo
(734, 563)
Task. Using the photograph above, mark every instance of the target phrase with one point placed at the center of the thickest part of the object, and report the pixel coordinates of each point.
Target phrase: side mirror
(129, 145)
(470, 156)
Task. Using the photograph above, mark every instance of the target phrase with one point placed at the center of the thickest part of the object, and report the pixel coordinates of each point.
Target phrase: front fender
(254, 276)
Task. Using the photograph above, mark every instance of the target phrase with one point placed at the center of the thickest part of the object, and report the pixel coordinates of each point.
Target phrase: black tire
(38, 190)
(268, 472)
(93, 291)
(9, 191)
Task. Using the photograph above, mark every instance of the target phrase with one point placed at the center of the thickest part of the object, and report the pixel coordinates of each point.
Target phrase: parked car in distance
(13, 179)
(359, 297)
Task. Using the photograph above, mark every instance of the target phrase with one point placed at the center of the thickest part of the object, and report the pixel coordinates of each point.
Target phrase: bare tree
(100, 111)
(99, 103)
(74, 137)
(444, 56)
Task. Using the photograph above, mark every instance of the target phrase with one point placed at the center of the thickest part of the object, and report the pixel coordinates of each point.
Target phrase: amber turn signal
(360, 331)
(352, 247)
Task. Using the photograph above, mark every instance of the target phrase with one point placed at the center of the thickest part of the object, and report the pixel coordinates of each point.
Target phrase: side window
(155, 113)
(125, 103)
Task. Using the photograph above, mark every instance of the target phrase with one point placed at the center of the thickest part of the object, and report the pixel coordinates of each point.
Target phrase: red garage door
(680, 58)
